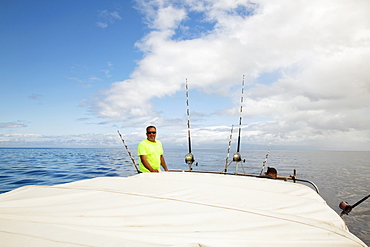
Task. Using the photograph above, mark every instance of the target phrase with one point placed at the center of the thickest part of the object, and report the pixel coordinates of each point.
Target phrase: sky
(296, 73)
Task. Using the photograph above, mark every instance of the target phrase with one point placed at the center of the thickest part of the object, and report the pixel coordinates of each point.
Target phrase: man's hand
(146, 164)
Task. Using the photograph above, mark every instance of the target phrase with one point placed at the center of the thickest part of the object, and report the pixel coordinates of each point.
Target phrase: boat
(185, 208)
(176, 208)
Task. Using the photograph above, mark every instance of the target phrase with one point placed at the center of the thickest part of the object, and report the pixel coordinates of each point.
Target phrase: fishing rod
(189, 158)
(237, 156)
(129, 153)
(346, 208)
(240, 118)
(228, 150)
(264, 162)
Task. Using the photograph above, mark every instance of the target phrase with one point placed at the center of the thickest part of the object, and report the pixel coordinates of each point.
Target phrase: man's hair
(151, 126)
(271, 170)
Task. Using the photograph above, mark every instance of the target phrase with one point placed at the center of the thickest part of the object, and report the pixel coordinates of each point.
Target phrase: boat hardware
(346, 208)
(307, 181)
(129, 153)
(294, 176)
(295, 179)
(256, 176)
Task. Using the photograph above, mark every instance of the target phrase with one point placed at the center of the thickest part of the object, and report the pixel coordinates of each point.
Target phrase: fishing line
(189, 158)
(129, 153)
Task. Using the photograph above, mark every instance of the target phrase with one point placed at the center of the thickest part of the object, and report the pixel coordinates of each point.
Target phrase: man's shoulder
(146, 142)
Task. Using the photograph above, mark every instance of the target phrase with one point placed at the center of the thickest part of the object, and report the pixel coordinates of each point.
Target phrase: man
(270, 173)
(150, 152)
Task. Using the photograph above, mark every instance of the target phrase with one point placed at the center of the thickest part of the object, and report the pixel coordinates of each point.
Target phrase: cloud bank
(305, 62)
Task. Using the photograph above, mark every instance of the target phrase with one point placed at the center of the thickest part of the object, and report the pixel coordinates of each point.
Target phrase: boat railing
(291, 178)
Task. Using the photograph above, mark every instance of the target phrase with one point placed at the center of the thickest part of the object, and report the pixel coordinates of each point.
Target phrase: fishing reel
(348, 208)
(189, 159)
(345, 207)
(238, 158)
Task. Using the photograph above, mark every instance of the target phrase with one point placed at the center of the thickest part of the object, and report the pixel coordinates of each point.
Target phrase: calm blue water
(339, 175)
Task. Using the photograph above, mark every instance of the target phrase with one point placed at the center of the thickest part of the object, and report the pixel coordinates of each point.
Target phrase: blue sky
(74, 72)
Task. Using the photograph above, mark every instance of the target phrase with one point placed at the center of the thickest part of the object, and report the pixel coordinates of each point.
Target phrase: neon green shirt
(153, 152)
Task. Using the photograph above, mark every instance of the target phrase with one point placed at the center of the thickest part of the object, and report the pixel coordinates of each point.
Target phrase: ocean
(340, 176)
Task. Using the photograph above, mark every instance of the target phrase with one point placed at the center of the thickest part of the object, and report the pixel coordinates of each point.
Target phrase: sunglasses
(151, 132)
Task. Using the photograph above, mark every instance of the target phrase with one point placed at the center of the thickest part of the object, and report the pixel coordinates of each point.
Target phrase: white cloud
(21, 135)
(81, 140)
(35, 96)
(12, 125)
(102, 24)
(107, 72)
(106, 18)
(319, 52)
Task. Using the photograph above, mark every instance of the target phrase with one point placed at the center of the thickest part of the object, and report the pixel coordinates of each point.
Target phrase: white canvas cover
(170, 209)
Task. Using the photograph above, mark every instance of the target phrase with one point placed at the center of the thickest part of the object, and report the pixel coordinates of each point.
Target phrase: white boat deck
(171, 209)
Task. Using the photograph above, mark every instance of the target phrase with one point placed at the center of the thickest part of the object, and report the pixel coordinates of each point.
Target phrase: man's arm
(163, 163)
(146, 164)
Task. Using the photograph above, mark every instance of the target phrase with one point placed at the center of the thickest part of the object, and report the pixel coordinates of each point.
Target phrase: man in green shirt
(150, 152)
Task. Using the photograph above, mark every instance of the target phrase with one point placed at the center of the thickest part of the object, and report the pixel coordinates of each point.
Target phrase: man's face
(151, 134)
